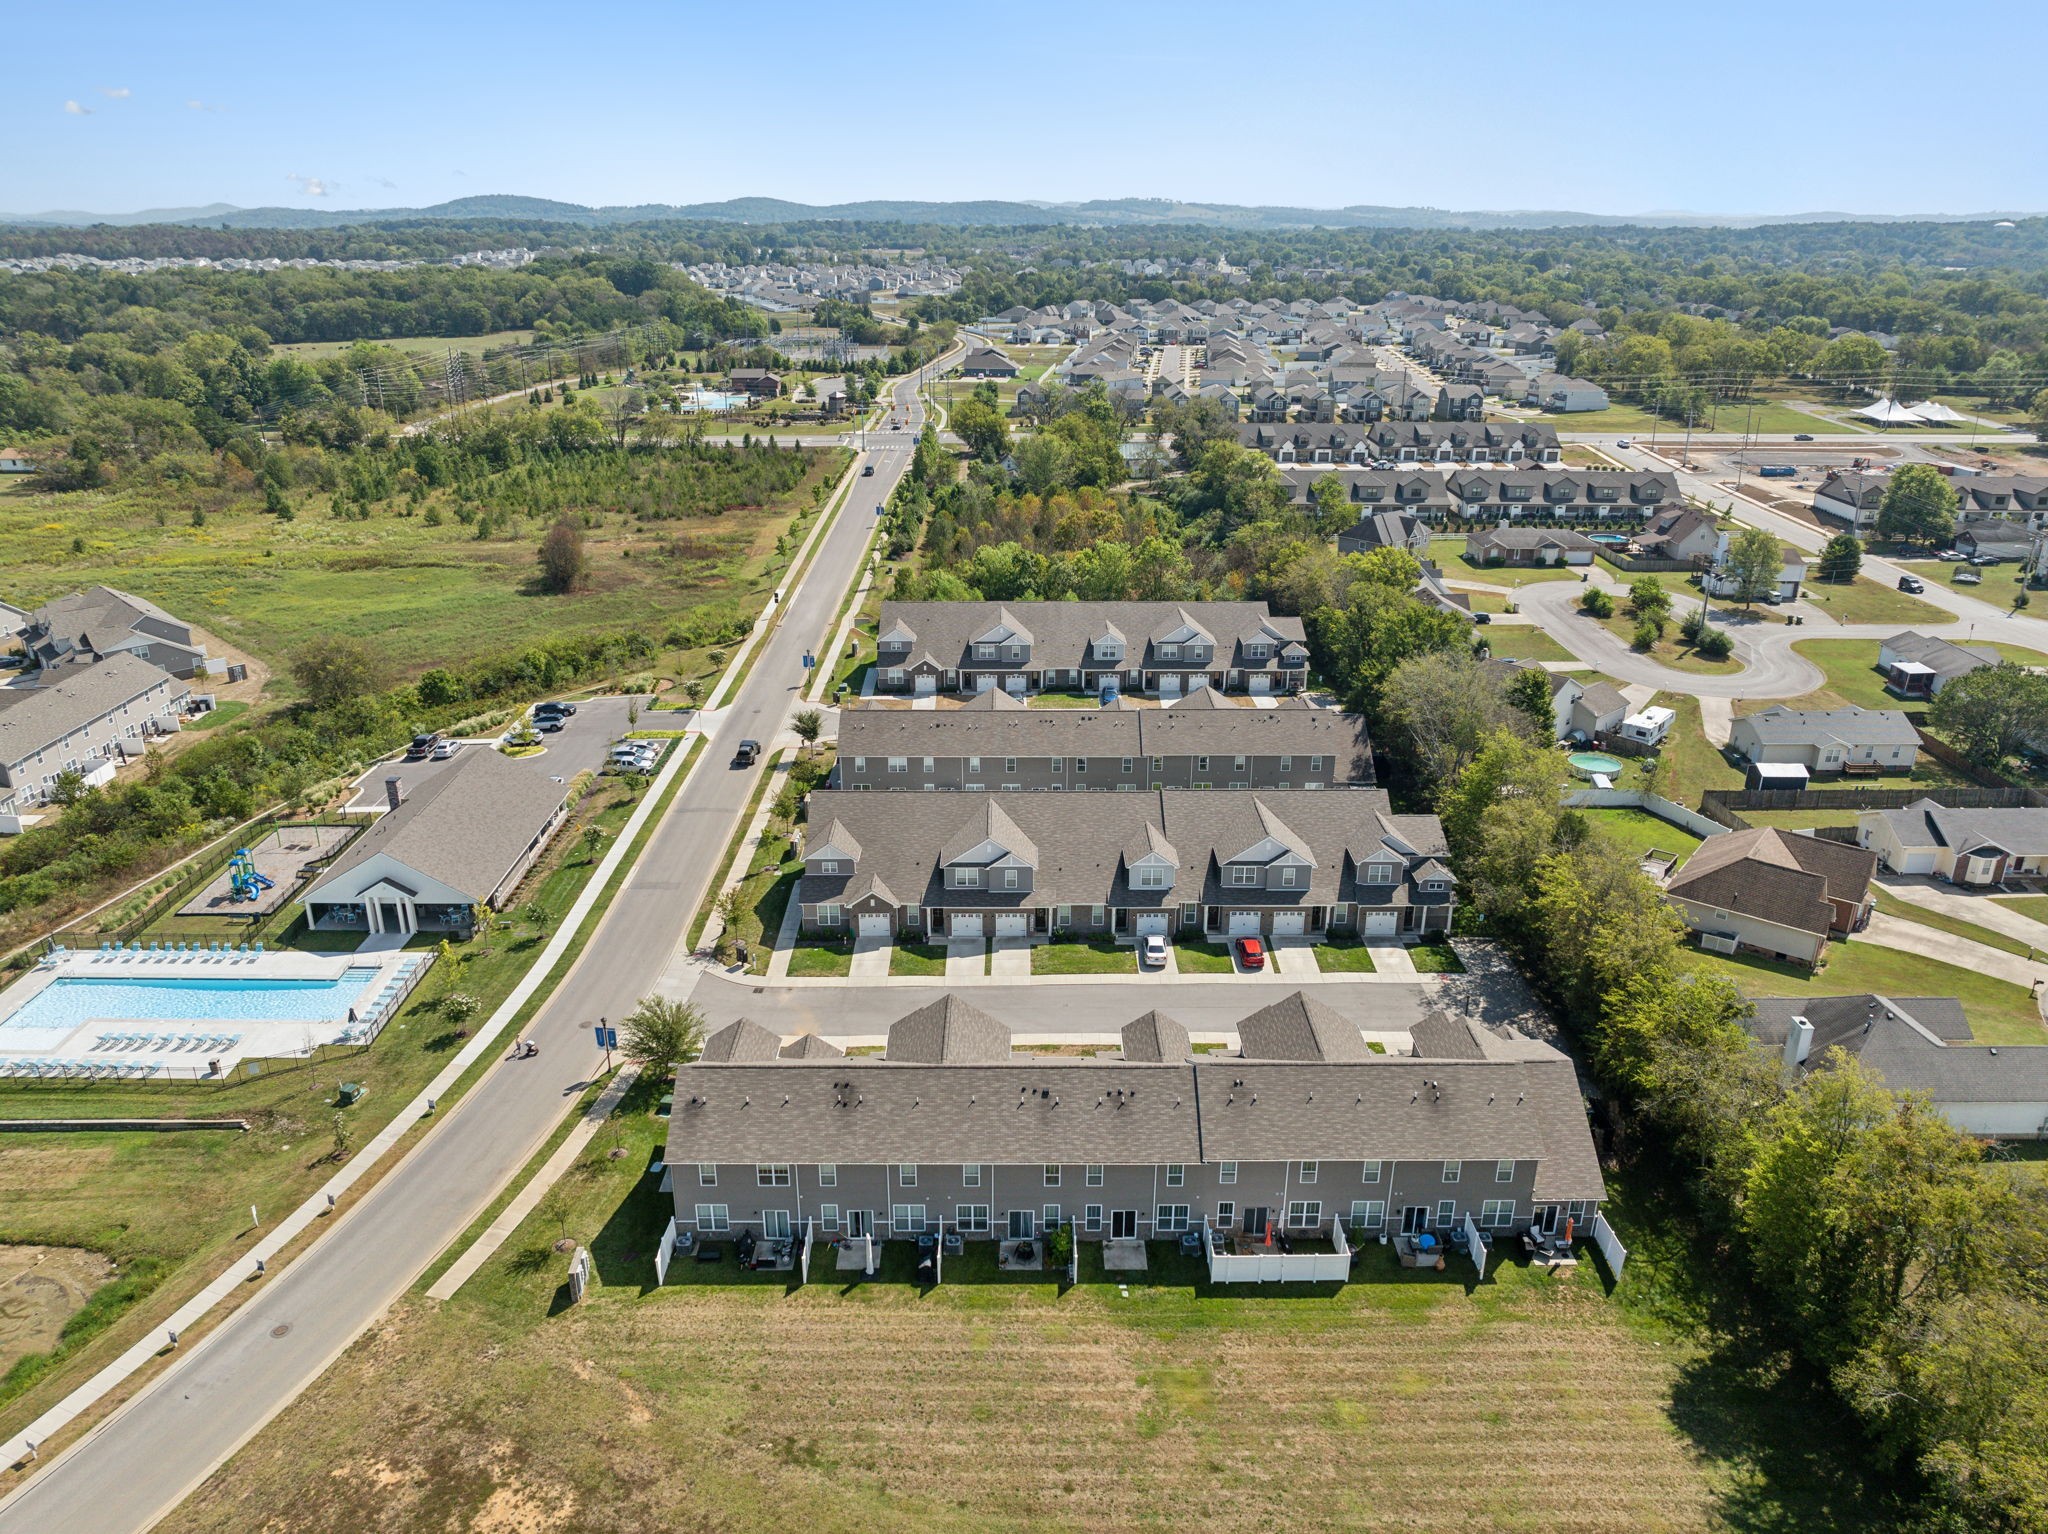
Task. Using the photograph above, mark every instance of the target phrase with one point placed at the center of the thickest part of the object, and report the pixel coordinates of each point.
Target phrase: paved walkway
(522, 1205)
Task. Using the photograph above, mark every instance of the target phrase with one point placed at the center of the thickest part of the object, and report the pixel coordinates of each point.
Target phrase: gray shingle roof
(1062, 631)
(949, 1031)
(1298, 1027)
(33, 718)
(1924, 822)
(465, 827)
(1917, 1044)
(1155, 1036)
(1782, 726)
(742, 1040)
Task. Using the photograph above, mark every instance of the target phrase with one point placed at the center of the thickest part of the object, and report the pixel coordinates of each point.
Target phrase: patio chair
(259, 948)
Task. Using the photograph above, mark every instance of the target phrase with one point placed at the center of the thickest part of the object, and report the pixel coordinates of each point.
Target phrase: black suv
(744, 757)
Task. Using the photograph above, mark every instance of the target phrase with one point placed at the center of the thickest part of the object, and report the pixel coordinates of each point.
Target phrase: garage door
(1151, 922)
(965, 924)
(1013, 925)
(1169, 685)
(873, 924)
(1244, 923)
(983, 681)
(1259, 682)
(1014, 683)
(1289, 923)
(1382, 924)
(926, 685)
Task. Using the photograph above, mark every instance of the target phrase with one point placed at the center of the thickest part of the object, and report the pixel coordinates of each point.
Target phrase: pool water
(68, 1002)
(712, 399)
(1590, 762)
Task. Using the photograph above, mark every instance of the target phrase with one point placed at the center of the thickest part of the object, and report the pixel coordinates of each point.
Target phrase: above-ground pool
(1591, 762)
(69, 1001)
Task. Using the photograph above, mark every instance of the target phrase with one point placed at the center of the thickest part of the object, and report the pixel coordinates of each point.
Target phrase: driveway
(1935, 895)
(1911, 937)
(579, 746)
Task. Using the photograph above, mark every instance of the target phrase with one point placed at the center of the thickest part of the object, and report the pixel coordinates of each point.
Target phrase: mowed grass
(1192, 958)
(1853, 677)
(1999, 1012)
(1521, 642)
(909, 958)
(1955, 926)
(2033, 907)
(423, 595)
(1344, 958)
(737, 1401)
(1640, 832)
(1865, 600)
(1448, 553)
(1634, 421)
(1095, 956)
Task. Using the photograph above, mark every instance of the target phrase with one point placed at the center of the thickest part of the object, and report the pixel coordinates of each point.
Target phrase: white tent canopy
(1887, 412)
(1929, 410)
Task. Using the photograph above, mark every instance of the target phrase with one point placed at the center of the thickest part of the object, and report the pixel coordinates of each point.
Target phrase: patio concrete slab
(871, 956)
(1392, 959)
(966, 958)
(1123, 1256)
(1011, 958)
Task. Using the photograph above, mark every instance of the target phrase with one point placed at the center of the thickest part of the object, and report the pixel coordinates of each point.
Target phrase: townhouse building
(1231, 861)
(1169, 648)
(997, 741)
(87, 717)
(1298, 1132)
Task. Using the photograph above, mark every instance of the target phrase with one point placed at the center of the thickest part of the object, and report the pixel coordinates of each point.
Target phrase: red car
(1251, 953)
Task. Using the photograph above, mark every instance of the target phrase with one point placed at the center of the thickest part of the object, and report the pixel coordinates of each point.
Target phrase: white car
(1152, 951)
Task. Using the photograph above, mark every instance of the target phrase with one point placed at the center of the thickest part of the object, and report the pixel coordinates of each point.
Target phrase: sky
(1800, 105)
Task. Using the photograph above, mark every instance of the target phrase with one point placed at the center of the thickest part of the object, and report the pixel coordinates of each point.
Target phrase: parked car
(1251, 953)
(1912, 583)
(748, 752)
(1953, 556)
(564, 709)
(1968, 578)
(445, 748)
(550, 724)
(422, 747)
(1152, 951)
(1802, 436)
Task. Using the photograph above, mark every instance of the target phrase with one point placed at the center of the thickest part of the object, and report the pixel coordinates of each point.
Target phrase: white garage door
(1289, 923)
(983, 681)
(1150, 922)
(926, 685)
(965, 924)
(873, 924)
(1259, 682)
(1013, 925)
(1244, 923)
(1382, 924)
(1014, 683)
(1169, 685)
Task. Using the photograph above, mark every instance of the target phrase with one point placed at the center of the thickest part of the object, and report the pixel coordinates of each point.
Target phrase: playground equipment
(244, 883)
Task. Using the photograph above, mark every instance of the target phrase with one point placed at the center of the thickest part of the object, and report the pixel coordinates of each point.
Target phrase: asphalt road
(144, 1459)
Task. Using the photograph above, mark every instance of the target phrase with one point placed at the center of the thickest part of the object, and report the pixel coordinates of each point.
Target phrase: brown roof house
(1773, 892)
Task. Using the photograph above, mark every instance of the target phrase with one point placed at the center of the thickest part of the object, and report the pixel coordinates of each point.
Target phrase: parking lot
(579, 746)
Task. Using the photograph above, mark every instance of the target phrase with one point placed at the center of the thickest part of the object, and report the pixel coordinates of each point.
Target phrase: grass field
(1436, 959)
(994, 1403)
(1999, 1012)
(1632, 421)
(270, 587)
(1196, 958)
(1448, 553)
(820, 959)
(433, 346)
(1804, 820)
(1095, 956)
(1867, 601)
(1995, 584)
(1852, 675)
(1691, 764)
(1522, 642)
(1639, 831)
(1955, 926)
(1344, 958)
(2033, 907)
(908, 958)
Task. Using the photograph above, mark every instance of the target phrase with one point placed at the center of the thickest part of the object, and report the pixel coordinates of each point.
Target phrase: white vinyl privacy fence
(1610, 1245)
(1273, 1266)
(665, 1251)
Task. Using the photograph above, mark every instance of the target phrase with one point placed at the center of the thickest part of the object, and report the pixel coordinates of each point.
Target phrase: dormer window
(1243, 875)
(1290, 878)
(967, 878)
(1379, 873)
(1015, 652)
(984, 652)
(1169, 652)
(1150, 878)
(828, 865)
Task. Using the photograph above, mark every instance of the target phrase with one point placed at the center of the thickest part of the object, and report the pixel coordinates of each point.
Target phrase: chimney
(1798, 1043)
(394, 792)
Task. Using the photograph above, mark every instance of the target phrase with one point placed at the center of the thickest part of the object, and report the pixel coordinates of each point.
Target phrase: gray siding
(1111, 772)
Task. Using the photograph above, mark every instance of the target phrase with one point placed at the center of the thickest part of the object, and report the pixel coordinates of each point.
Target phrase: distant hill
(1108, 211)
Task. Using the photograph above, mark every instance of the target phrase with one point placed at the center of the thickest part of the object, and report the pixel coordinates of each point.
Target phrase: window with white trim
(771, 1174)
(1176, 1174)
(971, 1219)
(1226, 1213)
(970, 1175)
(1091, 1176)
(707, 1175)
(1453, 1170)
(899, 764)
(1170, 1219)
(1226, 1172)
(1289, 878)
(828, 1174)
(1368, 1213)
(828, 915)
(1091, 1218)
(1049, 1217)
(1243, 875)
(1446, 1213)
(1051, 1176)
(1504, 1171)
(907, 1218)
(1308, 1171)
(828, 866)
(1304, 1214)
(1370, 1171)
(906, 1176)
(714, 1217)
(1497, 1213)
(828, 1217)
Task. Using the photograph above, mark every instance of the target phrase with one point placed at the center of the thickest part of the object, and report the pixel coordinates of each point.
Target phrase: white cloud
(115, 92)
(314, 186)
(389, 186)
(196, 105)
(76, 110)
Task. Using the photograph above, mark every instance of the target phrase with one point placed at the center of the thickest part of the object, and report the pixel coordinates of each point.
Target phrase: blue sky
(1611, 108)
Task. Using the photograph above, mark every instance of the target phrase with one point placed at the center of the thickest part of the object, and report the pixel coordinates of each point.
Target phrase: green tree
(808, 725)
(1646, 595)
(1840, 559)
(1919, 506)
(1441, 707)
(1362, 642)
(1596, 603)
(1754, 564)
(1329, 508)
(1528, 690)
(1991, 713)
(981, 426)
(68, 787)
(1044, 464)
(336, 670)
(662, 1034)
(1649, 629)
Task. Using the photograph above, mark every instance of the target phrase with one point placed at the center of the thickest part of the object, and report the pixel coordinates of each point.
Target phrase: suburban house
(1510, 545)
(1553, 495)
(1995, 542)
(91, 625)
(1852, 496)
(1233, 861)
(1385, 530)
(15, 460)
(999, 741)
(986, 362)
(2020, 499)
(1919, 666)
(758, 382)
(1963, 846)
(1554, 391)
(1576, 710)
(85, 718)
(1443, 442)
(1917, 1044)
(1685, 535)
(1773, 892)
(461, 838)
(1302, 1132)
(1854, 740)
(1163, 647)
(1791, 572)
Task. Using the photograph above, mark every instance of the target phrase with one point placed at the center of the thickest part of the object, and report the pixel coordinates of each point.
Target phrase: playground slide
(262, 882)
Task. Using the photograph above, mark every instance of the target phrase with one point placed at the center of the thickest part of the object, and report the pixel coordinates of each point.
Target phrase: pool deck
(195, 1048)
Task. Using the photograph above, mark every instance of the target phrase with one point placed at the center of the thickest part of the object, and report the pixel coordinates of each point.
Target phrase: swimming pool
(1590, 762)
(713, 400)
(67, 1001)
